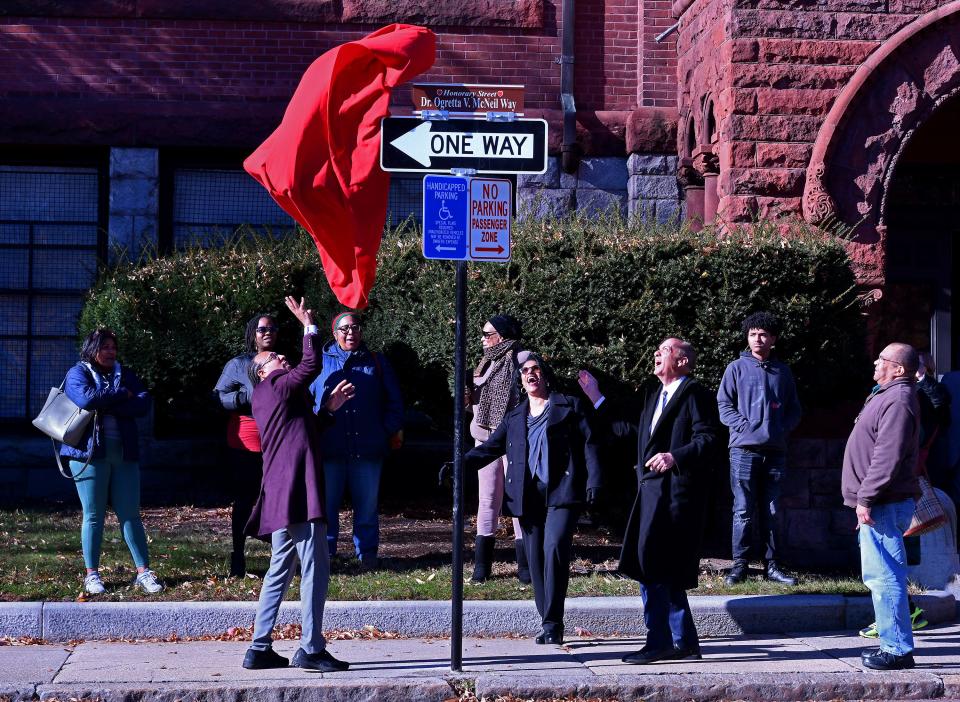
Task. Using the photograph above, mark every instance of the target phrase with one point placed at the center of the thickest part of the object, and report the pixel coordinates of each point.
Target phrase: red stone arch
(889, 97)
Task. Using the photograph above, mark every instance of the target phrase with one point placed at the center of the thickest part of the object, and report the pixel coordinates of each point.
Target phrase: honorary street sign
(408, 144)
(446, 202)
(467, 98)
(490, 213)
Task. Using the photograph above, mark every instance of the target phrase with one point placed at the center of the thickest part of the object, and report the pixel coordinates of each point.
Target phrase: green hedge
(591, 293)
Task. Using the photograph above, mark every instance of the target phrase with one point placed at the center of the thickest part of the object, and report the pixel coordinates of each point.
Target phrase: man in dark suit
(290, 508)
(676, 432)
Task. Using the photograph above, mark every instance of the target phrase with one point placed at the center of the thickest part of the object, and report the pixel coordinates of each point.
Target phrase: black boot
(523, 568)
(238, 564)
(483, 558)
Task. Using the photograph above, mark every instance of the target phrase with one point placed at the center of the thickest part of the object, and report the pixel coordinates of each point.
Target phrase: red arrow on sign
(497, 249)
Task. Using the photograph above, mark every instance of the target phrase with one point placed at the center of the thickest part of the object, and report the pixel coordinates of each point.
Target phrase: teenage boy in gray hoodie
(758, 402)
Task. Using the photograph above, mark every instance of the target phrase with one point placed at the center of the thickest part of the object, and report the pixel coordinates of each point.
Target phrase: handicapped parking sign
(466, 219)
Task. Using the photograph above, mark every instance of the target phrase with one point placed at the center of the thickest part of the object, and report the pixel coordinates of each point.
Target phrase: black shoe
(686, 654)
(523, 568)
(238, 564)
(648, 655)
(322, 662)
(778, 576)
(369, 564)
(883, 660)
(483, 558)
(550, 637)
(261, 660)
(737, 573)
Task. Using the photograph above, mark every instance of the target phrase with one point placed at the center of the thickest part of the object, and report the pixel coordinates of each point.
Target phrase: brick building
(124, 122)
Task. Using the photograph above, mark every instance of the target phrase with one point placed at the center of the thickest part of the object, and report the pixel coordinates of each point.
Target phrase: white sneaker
(92, 584)
(147, 580)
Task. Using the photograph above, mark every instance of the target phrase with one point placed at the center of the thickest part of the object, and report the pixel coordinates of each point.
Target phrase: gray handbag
(63, 421)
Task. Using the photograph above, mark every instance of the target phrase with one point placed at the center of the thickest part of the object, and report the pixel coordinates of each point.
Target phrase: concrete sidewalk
(607, 616)
(800, 666)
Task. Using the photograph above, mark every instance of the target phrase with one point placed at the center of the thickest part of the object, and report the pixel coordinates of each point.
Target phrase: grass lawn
(40, 559)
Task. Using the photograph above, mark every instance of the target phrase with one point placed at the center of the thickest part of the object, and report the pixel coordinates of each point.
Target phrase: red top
(242, 433)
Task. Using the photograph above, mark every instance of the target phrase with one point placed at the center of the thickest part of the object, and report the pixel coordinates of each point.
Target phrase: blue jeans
(304, 542)
(755, 482)
(883, 562)
(114, 480)
(362, 475)
(667, 616)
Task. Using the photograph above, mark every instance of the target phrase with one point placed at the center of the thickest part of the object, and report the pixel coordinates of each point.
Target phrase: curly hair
(94, 342)
(761, 320)
(250, 334)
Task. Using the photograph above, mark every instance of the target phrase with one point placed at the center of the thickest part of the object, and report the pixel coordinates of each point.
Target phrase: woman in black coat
(552, 470)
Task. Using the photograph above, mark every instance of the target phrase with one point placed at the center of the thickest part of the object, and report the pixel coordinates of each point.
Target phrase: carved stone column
(707, 164)
(692, 184)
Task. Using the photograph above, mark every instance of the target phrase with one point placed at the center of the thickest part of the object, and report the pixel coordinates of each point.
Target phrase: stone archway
(888, 99)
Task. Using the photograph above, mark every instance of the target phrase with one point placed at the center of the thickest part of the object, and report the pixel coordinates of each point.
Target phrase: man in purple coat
(290, 506)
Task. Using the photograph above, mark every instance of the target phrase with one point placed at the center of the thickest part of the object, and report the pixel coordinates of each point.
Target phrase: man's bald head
(897, 360)
(905, 355)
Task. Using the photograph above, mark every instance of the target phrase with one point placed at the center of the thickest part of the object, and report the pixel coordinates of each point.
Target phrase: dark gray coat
(662, 539)
(572, 454)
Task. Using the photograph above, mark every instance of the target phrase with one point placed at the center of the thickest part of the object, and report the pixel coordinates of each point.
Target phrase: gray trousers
(306, 542)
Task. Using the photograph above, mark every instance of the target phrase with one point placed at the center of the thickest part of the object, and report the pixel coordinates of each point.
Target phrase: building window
(211, 205)
(51, 240)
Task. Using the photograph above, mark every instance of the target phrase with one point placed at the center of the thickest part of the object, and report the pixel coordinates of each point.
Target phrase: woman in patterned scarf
(494, 392)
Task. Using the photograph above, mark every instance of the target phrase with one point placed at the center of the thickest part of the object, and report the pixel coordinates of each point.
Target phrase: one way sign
(409, 144)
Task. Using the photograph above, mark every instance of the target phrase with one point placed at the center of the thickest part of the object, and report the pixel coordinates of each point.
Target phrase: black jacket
(572, 454)
(662, 539)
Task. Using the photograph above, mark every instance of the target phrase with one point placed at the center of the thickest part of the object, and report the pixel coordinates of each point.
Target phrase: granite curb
(790, 687)
(611, 616)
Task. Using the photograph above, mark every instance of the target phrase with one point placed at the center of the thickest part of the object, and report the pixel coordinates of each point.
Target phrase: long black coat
(662, 540)
(572, 454)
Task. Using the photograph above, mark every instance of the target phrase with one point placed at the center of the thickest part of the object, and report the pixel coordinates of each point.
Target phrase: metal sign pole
(459, 412)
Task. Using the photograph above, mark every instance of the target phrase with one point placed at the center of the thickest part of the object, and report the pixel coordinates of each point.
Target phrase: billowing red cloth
(322, 164)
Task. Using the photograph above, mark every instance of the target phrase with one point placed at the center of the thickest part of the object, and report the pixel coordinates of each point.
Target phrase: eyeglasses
(272, 357)
(267, 330)
(349, 328)
(881, 358)
(487, 335)
(527, 370)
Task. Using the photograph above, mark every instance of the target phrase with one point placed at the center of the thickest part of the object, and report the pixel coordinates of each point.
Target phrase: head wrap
(338, 318)
(507, 326)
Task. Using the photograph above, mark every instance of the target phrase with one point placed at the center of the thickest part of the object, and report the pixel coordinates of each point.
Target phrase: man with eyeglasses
(290, 509)
(355, 446)
(878, 481)
(233, 391)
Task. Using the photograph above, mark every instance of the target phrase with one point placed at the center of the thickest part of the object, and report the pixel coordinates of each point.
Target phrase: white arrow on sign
(422, 144)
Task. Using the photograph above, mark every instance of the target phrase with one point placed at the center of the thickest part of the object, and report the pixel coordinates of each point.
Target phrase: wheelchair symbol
(444, 213)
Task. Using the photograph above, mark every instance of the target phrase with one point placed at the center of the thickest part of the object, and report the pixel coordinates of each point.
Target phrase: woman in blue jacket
(98, 383)
(552, 471)
(364, 430)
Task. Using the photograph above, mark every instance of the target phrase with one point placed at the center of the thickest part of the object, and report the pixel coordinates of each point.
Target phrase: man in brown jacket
(878, 482)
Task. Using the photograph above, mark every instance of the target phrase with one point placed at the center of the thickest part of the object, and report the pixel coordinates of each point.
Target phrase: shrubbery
(591, 293)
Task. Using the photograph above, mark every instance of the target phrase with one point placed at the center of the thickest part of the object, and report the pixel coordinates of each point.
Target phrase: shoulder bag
(63, 421)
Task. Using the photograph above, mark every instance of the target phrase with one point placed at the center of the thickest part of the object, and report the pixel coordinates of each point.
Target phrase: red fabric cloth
(322, 164)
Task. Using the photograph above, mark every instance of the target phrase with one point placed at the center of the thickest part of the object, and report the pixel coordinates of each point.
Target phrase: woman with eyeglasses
(234, 392)
(493, 393)
(364, 431)
(552, 472)
(105, 465)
